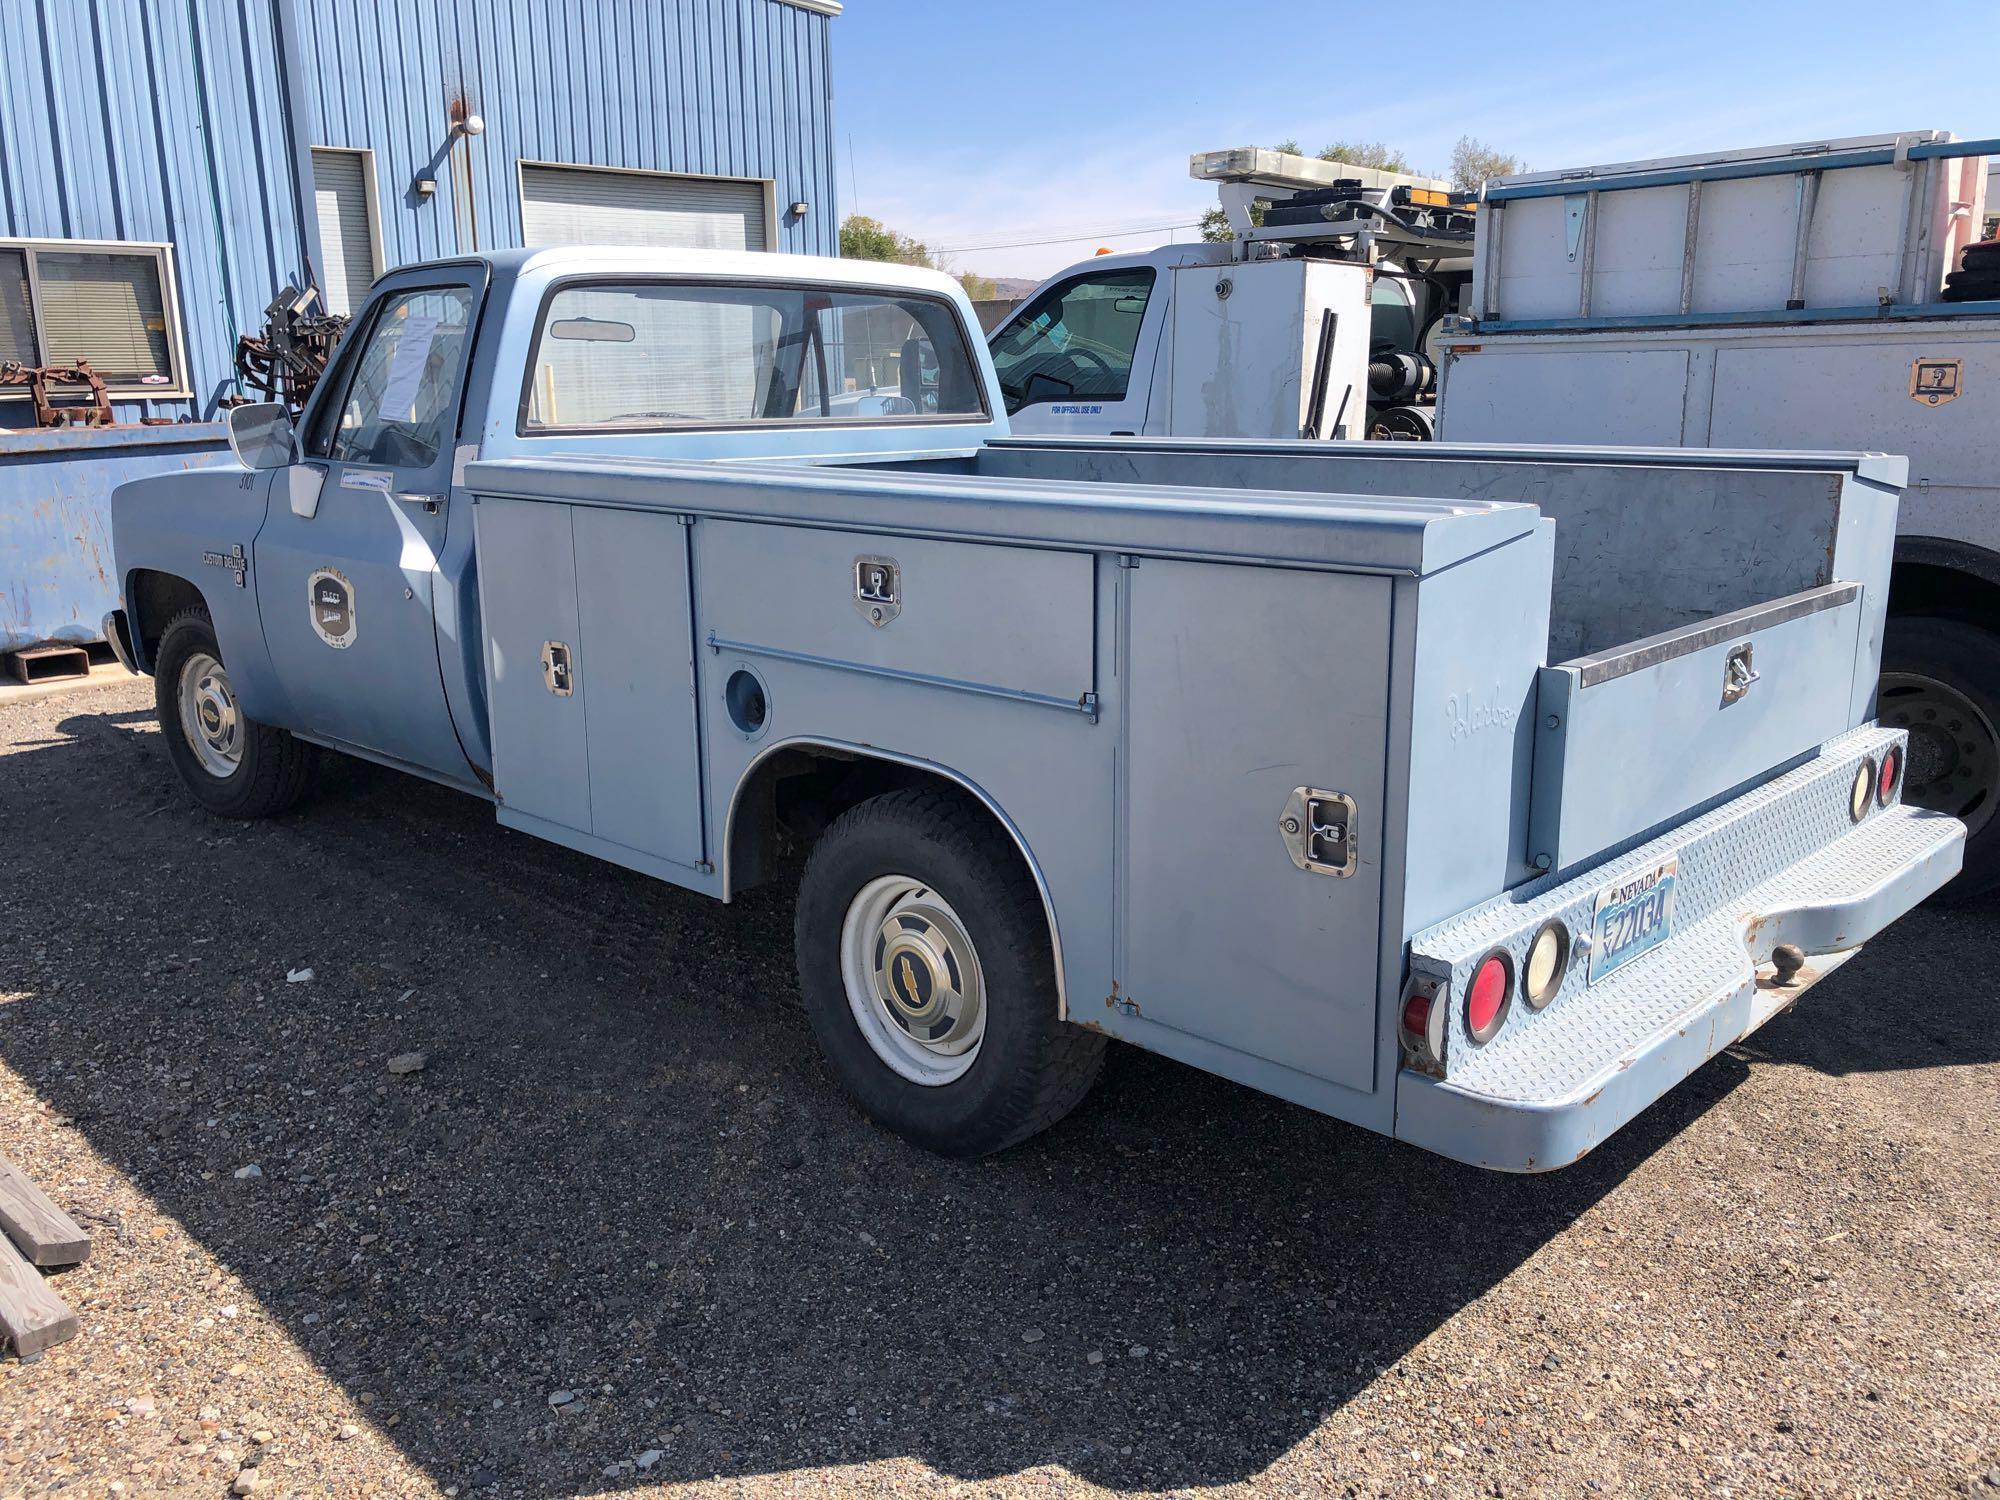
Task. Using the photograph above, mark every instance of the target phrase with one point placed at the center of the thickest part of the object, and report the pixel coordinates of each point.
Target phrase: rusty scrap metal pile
(286, 360)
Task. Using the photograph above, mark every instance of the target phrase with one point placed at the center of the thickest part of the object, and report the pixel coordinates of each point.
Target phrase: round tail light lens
(1861, 796)
(1487, 996)
(1417, 1013)
(1548, 959)
(1891, 773)
(1423, 1019)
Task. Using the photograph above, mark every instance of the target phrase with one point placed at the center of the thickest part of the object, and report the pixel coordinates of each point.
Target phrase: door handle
(430, 503)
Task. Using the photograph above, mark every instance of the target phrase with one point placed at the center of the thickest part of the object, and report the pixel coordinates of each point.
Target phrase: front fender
(199, 527)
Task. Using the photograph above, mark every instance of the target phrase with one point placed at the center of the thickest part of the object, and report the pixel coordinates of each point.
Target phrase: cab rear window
(645, 356)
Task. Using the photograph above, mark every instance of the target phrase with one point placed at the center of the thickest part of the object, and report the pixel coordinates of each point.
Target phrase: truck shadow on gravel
(622, 1174)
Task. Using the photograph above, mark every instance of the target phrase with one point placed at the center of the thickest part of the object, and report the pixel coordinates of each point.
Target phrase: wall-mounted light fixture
(801, 209)
(424, 186)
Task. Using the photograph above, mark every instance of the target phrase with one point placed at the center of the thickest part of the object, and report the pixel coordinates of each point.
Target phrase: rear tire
(233, 765)
(928, 977)
(1941, 682)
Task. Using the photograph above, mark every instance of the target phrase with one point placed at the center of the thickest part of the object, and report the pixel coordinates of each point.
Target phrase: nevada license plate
(1633, 917)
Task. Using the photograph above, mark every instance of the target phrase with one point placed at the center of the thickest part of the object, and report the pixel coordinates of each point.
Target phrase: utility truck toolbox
(1451, 795)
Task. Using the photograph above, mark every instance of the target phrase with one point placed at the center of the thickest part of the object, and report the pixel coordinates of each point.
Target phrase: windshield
(1075, 341)
(644, 355)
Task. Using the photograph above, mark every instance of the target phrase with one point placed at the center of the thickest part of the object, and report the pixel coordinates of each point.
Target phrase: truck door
(346, 571)
(1078, 359)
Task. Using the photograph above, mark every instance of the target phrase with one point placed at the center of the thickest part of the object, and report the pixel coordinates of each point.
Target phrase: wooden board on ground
(32, 1317)
(45, 1234)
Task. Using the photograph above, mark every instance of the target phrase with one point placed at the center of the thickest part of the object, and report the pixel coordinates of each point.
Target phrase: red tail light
(1417, 1013)
(1424, 1005)
(1892, 772)
(1487, 996)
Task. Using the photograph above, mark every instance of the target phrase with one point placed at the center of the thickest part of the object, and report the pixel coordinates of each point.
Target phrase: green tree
(1366, 154)
(1473, 161)
(863, 238)
(978, 288)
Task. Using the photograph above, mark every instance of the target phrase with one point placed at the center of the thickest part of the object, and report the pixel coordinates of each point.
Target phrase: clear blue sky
(976, 124)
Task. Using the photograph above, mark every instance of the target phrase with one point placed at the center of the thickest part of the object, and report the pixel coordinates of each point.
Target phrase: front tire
(233, 765)
(927, 973)
(1941, 682)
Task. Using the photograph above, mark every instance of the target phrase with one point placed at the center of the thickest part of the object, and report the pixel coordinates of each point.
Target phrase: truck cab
(1317, 318)
(516, 354)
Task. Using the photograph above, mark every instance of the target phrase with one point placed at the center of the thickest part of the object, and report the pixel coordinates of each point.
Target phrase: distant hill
(1012, 288)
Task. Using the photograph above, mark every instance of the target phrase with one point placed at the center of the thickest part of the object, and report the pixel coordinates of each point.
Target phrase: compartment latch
(558, 674)
(1738, 672)
(878, 589)
(1319, 831)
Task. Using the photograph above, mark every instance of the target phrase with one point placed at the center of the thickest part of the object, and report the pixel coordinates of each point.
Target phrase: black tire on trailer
(1941, 682)
(1983, 255)
(233, 765)
(929, 978)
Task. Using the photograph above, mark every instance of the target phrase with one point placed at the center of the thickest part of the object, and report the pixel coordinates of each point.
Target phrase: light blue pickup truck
(1475, 796)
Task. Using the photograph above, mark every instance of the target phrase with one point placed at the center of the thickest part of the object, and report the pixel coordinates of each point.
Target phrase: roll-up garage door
(579, 206)
(346, 235)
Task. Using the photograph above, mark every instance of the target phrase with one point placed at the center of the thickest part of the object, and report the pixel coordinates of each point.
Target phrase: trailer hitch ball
(1787, 959)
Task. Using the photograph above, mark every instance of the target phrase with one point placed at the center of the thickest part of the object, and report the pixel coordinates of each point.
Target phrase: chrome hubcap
(209, 718)
(913, 980)
(1954, 760)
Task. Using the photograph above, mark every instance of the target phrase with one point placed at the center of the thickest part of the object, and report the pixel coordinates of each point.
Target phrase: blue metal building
(166, 166)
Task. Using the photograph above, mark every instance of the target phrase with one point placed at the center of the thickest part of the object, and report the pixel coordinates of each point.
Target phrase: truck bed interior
(1646, 543)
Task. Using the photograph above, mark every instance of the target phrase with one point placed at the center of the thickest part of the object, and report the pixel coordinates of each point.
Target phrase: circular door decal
(330, 598)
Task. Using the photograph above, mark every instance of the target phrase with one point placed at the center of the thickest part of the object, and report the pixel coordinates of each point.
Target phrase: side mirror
(261, 435)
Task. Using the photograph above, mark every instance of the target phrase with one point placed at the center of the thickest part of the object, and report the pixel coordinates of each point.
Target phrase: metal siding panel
(161, 120)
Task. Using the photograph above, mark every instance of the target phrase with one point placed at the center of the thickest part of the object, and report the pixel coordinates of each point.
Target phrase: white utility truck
(1319, 319)
(1796, 297)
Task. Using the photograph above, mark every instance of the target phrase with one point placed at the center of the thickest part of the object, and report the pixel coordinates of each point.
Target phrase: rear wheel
(232, 764)
(928, 976)
(1941, 683)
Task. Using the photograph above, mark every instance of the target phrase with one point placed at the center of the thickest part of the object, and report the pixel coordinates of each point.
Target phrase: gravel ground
(620, 1232)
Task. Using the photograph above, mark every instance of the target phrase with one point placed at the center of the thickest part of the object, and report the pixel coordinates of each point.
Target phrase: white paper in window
(406, 368)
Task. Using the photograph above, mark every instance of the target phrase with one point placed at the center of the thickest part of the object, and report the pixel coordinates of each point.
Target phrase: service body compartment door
(645, 778)
(1243, 684)
(590, 677)
(527, 587)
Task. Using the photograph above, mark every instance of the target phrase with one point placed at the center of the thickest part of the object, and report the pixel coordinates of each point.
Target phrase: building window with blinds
(66, 302)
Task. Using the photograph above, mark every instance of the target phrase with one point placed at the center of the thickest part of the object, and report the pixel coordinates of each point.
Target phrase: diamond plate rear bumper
(1781, 864)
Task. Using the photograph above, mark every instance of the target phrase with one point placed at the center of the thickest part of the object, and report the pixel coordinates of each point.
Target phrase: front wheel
(928, 976)
(232, 764)
(1941, 683)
